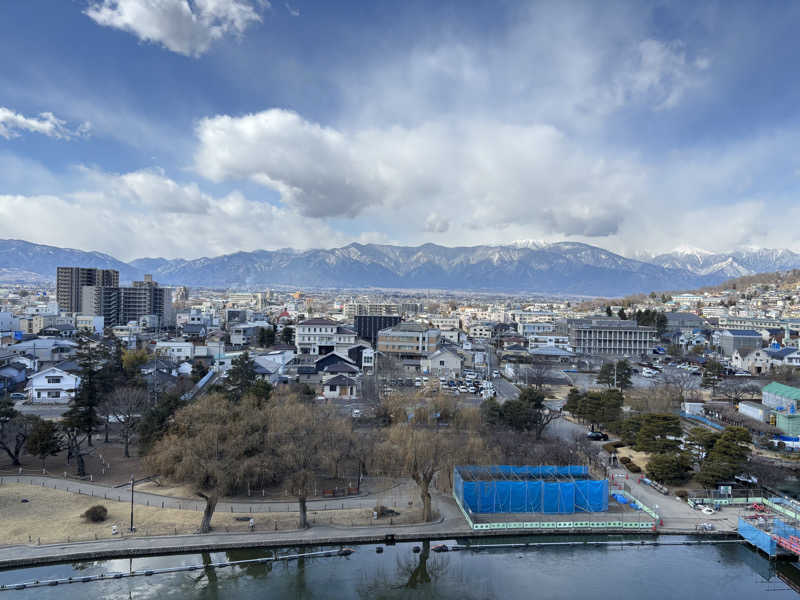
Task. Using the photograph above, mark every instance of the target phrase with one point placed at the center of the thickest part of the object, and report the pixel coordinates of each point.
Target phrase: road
(50, 412)
(505, 390)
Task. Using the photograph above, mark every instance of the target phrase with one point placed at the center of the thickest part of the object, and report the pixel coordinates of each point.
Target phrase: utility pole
(133, 529)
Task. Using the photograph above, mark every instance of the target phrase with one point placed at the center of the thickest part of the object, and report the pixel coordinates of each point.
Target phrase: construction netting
(757, 537)
(542, 489)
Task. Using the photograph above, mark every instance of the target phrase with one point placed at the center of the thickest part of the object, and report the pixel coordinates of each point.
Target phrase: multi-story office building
(408, 341)
(71, 280)
(611, 337)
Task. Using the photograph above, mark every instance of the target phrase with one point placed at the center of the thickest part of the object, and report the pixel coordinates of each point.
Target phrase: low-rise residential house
(247, 334)
(46, 350)
(444, 362)
(341, 387)
(52, 386)
(761, 361)
(11, 375)
(175, 350)
(194, 331)
(323, 363)
(756, 362)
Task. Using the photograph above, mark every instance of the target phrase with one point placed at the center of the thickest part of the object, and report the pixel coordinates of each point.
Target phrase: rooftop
(780, 389)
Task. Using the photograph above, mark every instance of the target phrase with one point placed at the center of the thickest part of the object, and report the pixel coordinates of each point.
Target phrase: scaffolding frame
(541, 489)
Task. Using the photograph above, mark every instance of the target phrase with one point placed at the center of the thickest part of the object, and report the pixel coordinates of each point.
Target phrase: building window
(55, 394)
(54, 380)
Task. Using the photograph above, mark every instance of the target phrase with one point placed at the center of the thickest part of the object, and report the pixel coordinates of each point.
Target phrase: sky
(188, 128)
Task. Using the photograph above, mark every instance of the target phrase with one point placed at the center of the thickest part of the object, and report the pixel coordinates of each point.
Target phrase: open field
(52, 516)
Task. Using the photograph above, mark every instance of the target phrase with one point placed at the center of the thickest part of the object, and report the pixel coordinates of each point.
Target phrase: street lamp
(132, 529)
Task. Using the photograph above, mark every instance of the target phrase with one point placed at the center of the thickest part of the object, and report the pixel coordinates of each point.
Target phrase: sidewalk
(450, 525)
(397, 494)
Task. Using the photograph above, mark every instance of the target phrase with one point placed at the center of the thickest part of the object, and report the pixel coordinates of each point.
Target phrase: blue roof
(744, 332)
(782, 353)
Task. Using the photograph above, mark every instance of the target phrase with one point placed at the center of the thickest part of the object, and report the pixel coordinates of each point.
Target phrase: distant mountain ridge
(524, 266)
(726, 265)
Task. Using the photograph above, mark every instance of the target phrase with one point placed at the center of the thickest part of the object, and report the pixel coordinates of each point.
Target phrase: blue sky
(201, 127)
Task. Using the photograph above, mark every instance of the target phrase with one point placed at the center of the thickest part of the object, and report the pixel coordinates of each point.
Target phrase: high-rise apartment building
(70, 281)
(121, 305)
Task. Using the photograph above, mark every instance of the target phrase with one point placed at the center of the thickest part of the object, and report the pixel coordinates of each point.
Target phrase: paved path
(505, 390)
(397, 495)
(676, 514)
(451, 524)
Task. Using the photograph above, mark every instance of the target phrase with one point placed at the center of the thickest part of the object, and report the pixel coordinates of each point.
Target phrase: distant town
(208, 398)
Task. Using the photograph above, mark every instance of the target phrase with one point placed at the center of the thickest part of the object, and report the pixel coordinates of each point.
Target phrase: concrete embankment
(28, 556)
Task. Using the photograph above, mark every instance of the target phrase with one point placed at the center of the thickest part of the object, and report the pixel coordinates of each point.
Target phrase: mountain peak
(686, 250)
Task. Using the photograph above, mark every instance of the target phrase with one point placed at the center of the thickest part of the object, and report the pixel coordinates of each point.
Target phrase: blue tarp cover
(531, 495)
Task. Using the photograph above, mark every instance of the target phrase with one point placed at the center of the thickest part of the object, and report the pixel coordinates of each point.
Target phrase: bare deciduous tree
(126, 405)
(303, 445)
(215, 446)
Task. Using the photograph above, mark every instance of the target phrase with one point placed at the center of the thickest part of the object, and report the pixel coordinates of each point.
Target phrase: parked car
(17, 396)
(597, 436)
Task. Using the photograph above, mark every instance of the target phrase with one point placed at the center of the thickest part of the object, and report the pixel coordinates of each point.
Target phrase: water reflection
(727, 571)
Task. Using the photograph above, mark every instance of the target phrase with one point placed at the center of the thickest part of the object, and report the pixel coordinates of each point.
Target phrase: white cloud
(481, 174)
(145, 213)
(13, 124)
(659, 73)
(182, 26)
(295, 12)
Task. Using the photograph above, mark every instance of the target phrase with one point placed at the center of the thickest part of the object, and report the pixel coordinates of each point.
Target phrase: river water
(728, 571)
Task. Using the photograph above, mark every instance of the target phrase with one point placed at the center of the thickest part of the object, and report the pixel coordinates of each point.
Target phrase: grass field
(52, 516)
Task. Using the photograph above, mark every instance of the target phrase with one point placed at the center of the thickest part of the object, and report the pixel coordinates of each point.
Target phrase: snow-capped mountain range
(521, 266)
(745, 261)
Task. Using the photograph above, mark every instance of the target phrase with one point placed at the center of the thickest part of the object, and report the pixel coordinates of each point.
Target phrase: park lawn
(54, 516)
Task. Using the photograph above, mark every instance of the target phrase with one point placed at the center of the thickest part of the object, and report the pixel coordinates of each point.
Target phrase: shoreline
(33, 556)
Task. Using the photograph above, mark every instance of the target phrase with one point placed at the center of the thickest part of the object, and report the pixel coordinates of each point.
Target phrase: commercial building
(612, 337)
(368, 326)
(322, 336)
(71, 280)
(742, 340)
(408, 341)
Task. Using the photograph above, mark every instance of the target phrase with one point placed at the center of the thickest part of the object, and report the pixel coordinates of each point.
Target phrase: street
(50, 412)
